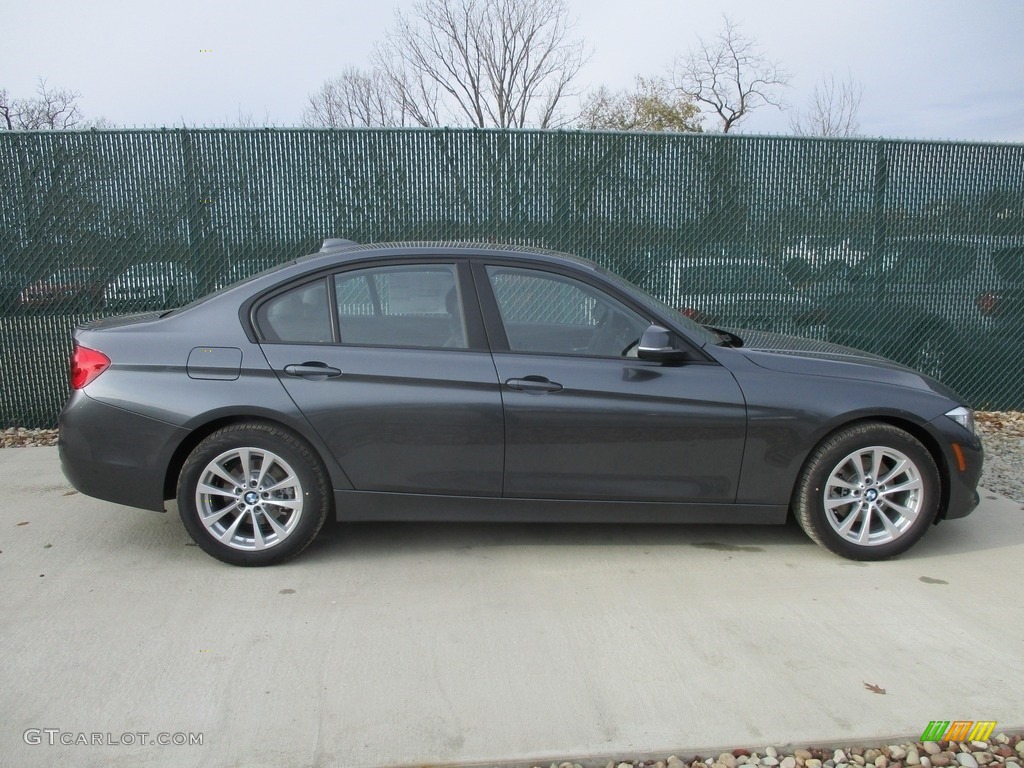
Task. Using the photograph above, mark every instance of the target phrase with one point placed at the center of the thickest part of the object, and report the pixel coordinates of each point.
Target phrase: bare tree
(730, 76)
(831, 110)
(650, 106)
(50, 109)
(484, 63)
(354, 99)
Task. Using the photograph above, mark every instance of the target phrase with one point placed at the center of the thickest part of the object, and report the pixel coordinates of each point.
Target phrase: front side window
(546, 313)
(406, 306)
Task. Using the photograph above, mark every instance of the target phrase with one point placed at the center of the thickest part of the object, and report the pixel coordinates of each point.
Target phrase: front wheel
(868, 492)
(253, 494)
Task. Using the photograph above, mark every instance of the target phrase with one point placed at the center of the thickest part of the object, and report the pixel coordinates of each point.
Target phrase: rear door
(389, 365)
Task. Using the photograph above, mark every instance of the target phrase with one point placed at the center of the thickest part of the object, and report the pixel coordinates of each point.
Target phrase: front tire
(253, 494)
(868, 492)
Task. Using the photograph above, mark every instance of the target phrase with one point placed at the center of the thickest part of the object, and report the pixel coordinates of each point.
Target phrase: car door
(586, 419)
(390, 366)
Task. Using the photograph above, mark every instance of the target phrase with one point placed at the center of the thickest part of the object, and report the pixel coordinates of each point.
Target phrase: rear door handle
(534, 384)
(314, 371)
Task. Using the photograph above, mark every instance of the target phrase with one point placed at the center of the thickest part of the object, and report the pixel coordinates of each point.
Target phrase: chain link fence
(912, 250)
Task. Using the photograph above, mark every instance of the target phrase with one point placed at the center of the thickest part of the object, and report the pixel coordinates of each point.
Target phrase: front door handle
(314, 371)
(534, 384)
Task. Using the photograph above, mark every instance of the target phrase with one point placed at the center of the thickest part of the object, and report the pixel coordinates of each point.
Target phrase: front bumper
(964, 459)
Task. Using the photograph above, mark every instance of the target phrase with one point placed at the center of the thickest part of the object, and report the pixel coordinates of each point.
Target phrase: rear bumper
(114, 454)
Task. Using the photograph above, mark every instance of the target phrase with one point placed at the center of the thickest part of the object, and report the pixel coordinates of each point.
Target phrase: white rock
(881, 762)
(839, 756)
(812, 762)
(980, 746)
(771, 752)
(788, 762)
(769, 761)
(931, 748)
(728, 759)
(896, 752)
(966, 759)
(912, 757)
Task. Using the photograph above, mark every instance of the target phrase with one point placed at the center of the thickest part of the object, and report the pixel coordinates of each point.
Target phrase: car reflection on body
(482, 382)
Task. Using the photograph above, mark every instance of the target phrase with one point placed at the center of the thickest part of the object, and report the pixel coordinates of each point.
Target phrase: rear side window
(417, 305)
(298, 316)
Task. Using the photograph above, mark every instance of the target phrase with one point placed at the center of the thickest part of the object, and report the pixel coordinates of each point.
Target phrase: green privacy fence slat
(914, 250)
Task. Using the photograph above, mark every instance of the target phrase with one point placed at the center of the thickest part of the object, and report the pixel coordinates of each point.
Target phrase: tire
(284, 502)
(842, 504)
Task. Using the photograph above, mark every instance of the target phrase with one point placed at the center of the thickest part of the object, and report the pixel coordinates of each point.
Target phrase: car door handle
(536, 384)
(312, 370)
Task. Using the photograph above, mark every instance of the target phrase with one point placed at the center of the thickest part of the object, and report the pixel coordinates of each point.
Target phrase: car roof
(335, 251)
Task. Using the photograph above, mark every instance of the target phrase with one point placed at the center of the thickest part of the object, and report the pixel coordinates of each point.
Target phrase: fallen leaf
(874, 688)
(24, 522)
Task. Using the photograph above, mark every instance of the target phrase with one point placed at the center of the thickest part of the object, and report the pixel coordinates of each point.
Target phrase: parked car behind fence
(741, 293)
(151, 285)
(934, 304)
(71, 289)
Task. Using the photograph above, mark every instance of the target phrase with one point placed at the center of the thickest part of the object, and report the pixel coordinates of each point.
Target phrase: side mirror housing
(656, 345)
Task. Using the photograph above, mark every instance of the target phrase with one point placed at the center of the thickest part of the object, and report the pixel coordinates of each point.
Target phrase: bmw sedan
(427, 381)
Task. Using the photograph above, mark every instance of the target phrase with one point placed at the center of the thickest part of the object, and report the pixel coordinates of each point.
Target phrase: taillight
(86, 365)
(988, 303)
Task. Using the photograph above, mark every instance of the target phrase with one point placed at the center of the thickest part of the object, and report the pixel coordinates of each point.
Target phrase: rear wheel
(868, 492)
(253, 494)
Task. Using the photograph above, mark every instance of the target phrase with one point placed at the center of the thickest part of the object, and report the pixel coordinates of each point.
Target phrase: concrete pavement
(395, 644)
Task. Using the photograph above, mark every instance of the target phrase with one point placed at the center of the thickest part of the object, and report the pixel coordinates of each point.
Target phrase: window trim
(476, 338)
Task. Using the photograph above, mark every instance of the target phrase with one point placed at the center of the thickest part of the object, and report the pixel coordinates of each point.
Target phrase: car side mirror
(656, 345)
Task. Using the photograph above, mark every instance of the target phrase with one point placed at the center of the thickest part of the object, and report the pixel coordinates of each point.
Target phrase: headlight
(964, 417)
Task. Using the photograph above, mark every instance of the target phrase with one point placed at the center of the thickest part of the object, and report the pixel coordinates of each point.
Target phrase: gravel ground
(1002, 749)
(1003, 436)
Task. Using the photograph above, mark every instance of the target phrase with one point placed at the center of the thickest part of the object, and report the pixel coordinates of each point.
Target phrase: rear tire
(253, 494)
(868, 492)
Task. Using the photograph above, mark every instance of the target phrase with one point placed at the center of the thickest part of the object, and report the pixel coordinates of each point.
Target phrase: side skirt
(366, 505)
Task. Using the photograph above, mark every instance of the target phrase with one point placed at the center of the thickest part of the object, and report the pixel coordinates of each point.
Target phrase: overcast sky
(930, 69)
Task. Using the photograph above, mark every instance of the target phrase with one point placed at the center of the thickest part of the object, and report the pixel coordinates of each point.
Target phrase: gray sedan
(480, 382)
